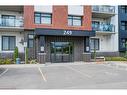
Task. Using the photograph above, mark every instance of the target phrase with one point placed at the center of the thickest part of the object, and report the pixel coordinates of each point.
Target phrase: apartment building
(105, 23)
(122, 18)
(61, 33)
(51, 33)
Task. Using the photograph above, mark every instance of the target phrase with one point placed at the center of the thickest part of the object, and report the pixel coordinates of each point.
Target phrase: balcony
(104, 28)
(103, 11)
(11, 23)
(12, 8)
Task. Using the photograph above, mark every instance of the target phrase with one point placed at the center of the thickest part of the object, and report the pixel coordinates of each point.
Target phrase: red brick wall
(28, 17)
(59, 19)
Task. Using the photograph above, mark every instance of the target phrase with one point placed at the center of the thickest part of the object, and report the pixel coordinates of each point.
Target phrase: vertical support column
(86, 44)
(86, 54)
(42, 44)
(41, 55)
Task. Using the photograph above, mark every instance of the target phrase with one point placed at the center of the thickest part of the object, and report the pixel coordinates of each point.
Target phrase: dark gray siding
(78, 45)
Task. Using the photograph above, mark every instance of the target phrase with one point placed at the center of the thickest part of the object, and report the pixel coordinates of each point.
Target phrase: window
(8, 20)
(74, 21)
(8, 42)
(123, 25)
(30, 40)
(43, 18)
(95, 25)
(94, 43)
(123, 43)
(124, 9)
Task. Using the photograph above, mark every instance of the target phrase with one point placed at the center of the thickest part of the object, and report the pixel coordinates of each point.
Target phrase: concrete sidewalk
(43, 65)
(116, 64)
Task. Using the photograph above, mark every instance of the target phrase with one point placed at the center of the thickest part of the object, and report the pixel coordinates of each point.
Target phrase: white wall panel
(47, 9)
(75, 10)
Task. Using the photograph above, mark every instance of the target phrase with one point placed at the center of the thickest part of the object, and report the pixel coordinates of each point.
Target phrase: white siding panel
(47, 9)
(75, 10)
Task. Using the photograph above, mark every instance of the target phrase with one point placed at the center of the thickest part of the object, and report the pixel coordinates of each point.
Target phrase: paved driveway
(64, 76)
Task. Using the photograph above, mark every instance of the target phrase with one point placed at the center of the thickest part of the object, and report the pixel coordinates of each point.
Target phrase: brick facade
(59, 19)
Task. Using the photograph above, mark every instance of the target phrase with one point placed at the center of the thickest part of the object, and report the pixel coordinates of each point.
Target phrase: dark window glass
(30, 40)
(95, 25)
(124, 9)
(43, 18)
(123, 25)
(74, 20)
(94, 44)
(123, 43)
(8, 42)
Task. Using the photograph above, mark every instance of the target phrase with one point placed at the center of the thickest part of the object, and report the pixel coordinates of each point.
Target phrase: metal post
(25, 45)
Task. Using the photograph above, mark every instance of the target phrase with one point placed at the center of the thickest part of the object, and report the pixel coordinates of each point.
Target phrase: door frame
(71, 59)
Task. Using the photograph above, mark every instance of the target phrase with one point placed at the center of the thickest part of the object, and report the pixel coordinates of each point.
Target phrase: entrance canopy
(62, 32)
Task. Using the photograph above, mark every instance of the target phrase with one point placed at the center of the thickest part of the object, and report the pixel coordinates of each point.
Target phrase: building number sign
(67, 32)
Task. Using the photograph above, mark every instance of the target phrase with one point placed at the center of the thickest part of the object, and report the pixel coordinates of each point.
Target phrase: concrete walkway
(114, 64)
(43, 65)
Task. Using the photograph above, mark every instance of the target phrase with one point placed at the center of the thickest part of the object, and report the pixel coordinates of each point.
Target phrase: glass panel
(5, 41)
(37, 20)
(70, 17)
(37, 14)
(11, 22)
(61, 51)
(8, 20)
(31, 36)
(52, 47)
(97, 44)
(92, 44)
(31, 43)
(76, 22)
(45, 20)
(70, 22)
(12, 43)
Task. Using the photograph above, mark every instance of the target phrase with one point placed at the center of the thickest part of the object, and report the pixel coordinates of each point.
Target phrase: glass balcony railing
(9, 22)
(103, 9)
(103, 27)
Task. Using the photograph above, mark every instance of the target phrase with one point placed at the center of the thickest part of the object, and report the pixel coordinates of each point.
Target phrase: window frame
(8, 43)
(29, 39)
(123, 24)
(42, 15)
(8, 17)
(74, 17)
(98, 40)
(124, 9)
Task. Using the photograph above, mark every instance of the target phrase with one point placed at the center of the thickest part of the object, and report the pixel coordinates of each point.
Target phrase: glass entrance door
(61, 52)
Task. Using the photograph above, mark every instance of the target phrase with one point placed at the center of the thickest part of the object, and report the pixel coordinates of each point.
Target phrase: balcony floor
(102, 15)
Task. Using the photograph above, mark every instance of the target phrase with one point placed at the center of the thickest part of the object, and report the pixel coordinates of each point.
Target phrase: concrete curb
(44, 65)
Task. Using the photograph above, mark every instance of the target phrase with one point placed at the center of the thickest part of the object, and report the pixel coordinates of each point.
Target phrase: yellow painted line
(42, 74)
(84, 74)
(3, 72)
